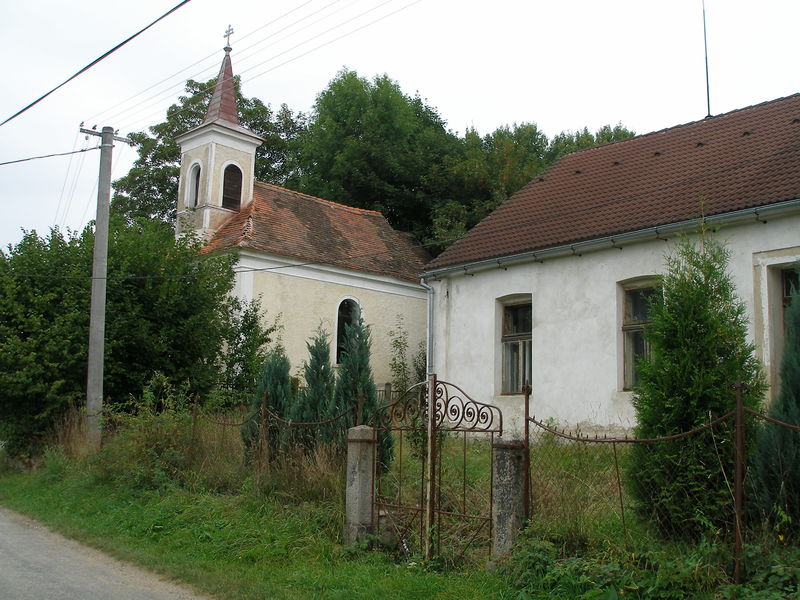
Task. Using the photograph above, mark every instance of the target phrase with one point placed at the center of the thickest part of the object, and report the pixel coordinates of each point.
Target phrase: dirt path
(37, 564)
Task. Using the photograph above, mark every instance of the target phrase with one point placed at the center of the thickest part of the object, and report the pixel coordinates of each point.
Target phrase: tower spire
(223, 101)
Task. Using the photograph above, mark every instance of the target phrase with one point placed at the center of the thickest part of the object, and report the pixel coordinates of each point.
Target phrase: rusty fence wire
(585, 488)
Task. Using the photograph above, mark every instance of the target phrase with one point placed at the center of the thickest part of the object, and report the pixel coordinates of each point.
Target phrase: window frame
(516, 344)
(632, 330)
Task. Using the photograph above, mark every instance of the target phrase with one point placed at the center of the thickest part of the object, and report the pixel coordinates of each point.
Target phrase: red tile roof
(742, 159)
(294, 225)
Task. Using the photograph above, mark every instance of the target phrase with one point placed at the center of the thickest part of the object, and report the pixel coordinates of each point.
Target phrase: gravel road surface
(37, 564)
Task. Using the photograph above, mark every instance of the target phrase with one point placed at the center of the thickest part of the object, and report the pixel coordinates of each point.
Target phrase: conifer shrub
(354, 383)
(775, 468)
(274, 387)
(698, 351)
(315, 398)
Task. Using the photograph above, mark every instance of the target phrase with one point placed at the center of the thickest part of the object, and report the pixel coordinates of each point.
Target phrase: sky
(562, 64)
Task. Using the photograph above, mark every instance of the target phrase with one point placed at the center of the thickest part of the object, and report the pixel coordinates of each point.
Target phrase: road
(37, 564)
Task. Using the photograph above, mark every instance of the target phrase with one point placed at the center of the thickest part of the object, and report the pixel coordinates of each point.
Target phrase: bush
(274, 386)
(698, 351)
(313, 401)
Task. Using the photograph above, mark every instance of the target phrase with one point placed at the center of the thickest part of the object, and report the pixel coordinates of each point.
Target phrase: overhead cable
(95, 61)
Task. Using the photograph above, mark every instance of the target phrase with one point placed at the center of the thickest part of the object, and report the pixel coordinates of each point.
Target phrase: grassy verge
(229, 546)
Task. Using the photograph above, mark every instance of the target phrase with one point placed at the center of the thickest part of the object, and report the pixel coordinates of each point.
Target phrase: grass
(227, 531)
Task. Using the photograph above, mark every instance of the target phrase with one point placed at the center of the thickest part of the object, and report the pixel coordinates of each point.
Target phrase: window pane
(511, 363)
(517, 319)
(638, 305)
(635, 348)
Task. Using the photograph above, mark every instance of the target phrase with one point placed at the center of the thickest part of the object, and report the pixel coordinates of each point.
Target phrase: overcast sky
(560, 64)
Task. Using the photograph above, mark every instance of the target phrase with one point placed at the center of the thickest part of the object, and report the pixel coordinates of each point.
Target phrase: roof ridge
(322, 200)
(705, 119)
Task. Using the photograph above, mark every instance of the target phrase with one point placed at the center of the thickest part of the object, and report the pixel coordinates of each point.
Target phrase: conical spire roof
(223, 101)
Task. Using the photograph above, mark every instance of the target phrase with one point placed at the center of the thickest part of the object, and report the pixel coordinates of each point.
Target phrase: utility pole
(97, 315)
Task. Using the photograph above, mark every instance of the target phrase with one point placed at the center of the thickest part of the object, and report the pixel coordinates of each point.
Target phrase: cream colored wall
(301, 303)
(577, 340)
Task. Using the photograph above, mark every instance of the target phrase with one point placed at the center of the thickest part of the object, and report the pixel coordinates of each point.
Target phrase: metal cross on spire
(228, 34)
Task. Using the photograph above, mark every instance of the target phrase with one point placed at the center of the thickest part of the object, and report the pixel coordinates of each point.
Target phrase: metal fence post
(430, 475)
(738, 493)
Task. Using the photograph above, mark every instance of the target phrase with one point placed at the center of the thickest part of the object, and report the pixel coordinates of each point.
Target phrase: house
(310, 261)
(551, 287)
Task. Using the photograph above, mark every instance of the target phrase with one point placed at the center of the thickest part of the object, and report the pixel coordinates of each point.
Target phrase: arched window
(232, 188)
(194, 187)
(348, 314)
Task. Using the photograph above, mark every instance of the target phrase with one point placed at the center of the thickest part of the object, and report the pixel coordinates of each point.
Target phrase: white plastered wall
(577, 316)
(303, 297)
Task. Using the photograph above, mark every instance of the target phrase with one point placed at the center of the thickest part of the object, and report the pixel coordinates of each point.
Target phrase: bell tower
(217, 162)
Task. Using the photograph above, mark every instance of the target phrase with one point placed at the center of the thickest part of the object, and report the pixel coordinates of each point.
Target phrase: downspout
(429, 358)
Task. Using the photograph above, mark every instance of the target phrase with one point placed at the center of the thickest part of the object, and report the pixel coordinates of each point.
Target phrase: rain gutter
(429, 352)
(760, 213)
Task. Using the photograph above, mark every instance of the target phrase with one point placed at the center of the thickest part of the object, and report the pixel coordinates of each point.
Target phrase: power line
(95, 61)
(127, 126)
(517, 225)
(19, 160)
(173, 86)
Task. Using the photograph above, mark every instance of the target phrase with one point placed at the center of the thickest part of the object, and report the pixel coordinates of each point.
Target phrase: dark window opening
(194, 192)
(232, 188)
(348, 314)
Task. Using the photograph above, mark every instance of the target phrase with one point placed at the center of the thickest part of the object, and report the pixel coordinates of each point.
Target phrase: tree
(568, 142)
(317, 395)
(150, 188)
(354, 385)
(698, 351)
(371, 146)
(776, 460)
(168, 310)
(274, 389)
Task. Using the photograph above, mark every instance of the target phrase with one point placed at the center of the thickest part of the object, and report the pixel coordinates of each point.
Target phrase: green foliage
(419, 362)
(44, 328)
(776, 461)
(568, 142)
(274, 388)
(149, 190)
(398, 363)
(167, 310)
(371, 146)
(354, 384)
(317, 395)
(150, 450)
(545, 569)
(699, 349)
(245, 343)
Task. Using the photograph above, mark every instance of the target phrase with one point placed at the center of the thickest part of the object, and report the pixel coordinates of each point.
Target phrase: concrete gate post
(508, 494)
(359, 484)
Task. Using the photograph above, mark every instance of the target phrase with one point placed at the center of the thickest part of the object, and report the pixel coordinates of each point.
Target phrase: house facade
(552, 287)
(309, 261)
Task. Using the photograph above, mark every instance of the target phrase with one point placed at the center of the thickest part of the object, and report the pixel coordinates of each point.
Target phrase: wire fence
(701, 484)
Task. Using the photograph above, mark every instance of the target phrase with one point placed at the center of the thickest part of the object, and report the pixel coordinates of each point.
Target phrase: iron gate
(436, 491)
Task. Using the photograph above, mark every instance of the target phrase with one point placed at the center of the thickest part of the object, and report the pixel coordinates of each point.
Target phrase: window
(516, 341)
(790, 283)
(194, 187)
(348, 314)
(635, 320)
(232, 188)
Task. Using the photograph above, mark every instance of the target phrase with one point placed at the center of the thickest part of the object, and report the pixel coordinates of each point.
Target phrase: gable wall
(577, 317)
(302, 297)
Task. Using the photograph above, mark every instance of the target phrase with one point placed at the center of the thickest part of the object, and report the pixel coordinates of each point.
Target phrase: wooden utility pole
(97, 314)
